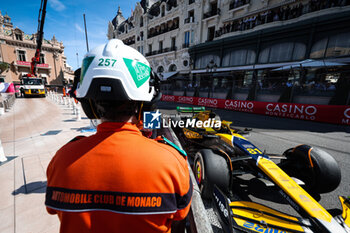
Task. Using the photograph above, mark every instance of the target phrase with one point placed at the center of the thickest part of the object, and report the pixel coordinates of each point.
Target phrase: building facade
(162, 31)
(264, 50)
(275, 51)
(18, 49)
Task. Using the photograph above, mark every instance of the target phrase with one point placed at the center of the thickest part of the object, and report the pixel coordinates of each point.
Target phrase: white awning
(223, 69)
(272, 65)
(167, 75)
(309, 63)
(249, 67)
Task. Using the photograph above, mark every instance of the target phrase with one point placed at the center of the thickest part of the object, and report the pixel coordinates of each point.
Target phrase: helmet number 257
(106, 62)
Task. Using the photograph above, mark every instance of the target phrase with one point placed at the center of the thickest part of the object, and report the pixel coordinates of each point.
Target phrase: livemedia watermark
(154, 120)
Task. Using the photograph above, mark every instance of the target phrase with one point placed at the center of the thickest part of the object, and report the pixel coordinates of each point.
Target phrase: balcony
(129, 41)
(162, 31)
(171, 4)
(189, 20)
(237, 4)
(160, 51)
(211, 13)
(277, 14)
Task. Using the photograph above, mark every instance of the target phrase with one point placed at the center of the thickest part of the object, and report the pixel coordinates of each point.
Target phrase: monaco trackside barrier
(336, 114)
(2, 154)
(7, 100)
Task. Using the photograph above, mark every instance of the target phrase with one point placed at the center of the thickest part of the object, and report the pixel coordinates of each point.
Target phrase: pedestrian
(21, 89)
(118, 180)
(72, 91)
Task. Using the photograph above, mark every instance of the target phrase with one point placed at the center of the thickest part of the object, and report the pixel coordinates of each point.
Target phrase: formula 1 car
(220, 156)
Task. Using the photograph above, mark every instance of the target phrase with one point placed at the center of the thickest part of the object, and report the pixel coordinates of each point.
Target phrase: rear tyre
(318, 169)
(209, 169)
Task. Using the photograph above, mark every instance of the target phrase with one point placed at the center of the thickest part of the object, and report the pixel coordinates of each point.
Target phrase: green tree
(4, 66)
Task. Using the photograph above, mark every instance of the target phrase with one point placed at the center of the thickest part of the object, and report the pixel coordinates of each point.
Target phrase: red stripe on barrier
(336, 114)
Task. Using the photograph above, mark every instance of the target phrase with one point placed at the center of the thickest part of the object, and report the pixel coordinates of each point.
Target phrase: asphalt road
(275, 135)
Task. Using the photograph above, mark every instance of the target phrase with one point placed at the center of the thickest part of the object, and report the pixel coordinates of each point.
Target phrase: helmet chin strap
(93, 111)
(155, 80)
(140, 112)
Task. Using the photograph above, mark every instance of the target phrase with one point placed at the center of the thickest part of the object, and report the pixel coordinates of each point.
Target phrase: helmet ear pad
(89, 108)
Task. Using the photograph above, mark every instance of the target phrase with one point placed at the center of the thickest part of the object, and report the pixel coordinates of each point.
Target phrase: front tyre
(317, 168)
(209, 169)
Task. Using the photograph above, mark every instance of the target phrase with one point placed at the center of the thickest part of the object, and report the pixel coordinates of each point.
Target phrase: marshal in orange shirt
(118, 181)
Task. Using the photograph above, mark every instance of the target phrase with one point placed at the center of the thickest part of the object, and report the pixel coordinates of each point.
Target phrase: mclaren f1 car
(220, 155)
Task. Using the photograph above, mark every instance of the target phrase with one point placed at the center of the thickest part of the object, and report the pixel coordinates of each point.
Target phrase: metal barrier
(7, 100)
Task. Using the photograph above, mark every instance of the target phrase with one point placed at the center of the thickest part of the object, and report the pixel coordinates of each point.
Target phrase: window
(160, 46)
(264, 55)
(31, 81)
(163, 11)
(288, 51)
(299, 51)
(211, 32)
(42, 58)
(238, 57)
(338, 45)
(141, 21)
(202, 61)
(191, 16)
(173, 43)
(150, 48)
(160, 70)
(19, 37)
(141, 36)
(187, 39)
(214, 8)
(172, 68)
(319, 48)
(190, 2)
(192, 37)
(141, 50)
(21, 55)
(281, 52)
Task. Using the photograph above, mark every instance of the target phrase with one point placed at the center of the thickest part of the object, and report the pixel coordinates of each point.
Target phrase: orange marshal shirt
(118, 181)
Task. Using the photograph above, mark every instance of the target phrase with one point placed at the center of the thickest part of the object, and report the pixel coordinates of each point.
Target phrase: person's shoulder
(164, 141)
(165, 146)
(76, 142)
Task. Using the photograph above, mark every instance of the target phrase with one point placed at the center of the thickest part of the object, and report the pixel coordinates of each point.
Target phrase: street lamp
(161, 78)
(211, 67)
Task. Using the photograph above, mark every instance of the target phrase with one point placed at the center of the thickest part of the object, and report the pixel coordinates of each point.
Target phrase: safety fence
(7, 100)
(62, 99)
(336, 114)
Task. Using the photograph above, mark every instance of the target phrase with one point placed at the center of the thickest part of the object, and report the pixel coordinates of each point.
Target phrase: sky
(64, 19)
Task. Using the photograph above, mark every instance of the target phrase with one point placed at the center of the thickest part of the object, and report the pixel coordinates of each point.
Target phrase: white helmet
(114, 71)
